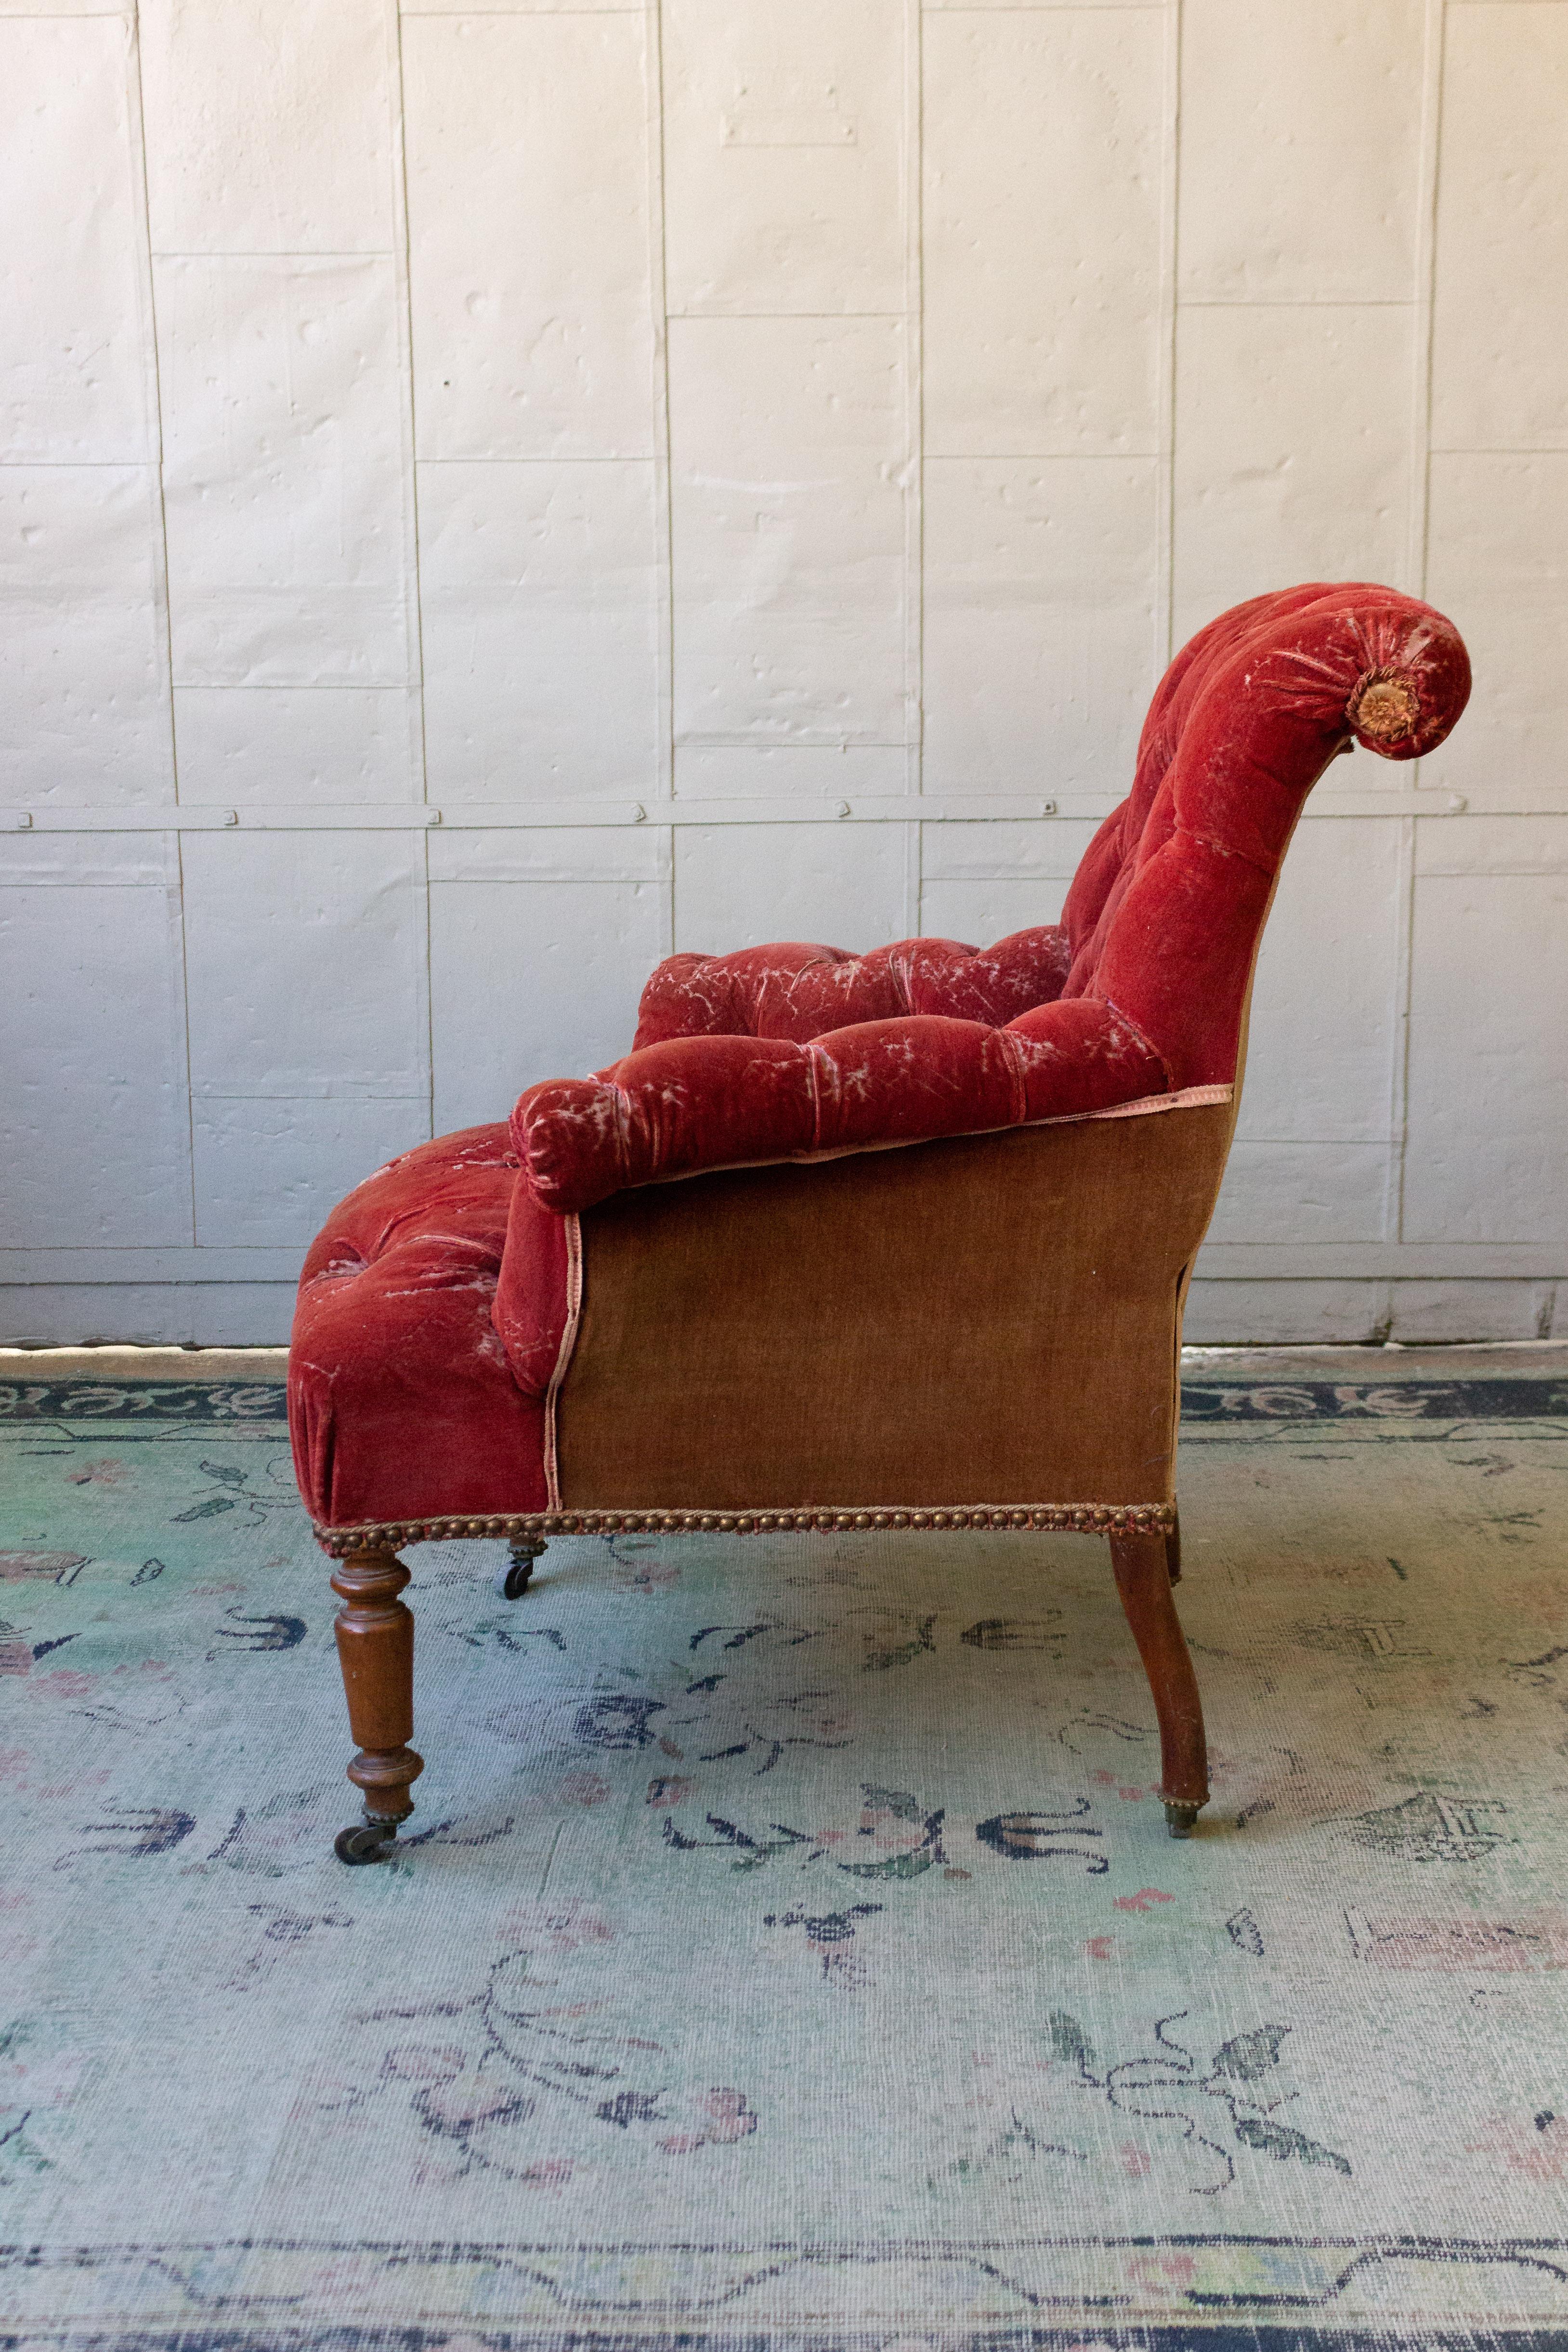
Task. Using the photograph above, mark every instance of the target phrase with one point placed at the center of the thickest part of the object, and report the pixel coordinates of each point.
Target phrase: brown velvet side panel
(988, 1319)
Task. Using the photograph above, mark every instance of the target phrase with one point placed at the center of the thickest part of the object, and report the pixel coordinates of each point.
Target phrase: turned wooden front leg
(375, 1650)
(1142, 1568)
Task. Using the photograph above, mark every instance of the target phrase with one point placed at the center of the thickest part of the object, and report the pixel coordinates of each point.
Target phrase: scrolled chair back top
(1163, 913)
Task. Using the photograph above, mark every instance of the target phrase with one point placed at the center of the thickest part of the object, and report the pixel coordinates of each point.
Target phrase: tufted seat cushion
(402, 1401)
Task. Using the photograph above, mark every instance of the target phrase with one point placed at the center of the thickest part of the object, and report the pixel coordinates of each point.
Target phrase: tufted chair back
(1164, 916)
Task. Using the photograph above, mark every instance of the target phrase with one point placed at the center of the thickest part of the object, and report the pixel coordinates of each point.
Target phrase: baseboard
(1242, 1311)
(1282, 1310)
(146, 1314)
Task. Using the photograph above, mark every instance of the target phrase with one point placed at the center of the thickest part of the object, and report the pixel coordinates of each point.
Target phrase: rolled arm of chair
(695, 1103)
(797, 990)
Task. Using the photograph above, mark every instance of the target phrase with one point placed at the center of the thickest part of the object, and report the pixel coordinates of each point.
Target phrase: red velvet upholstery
(401, 1398)
(791, 1051)
(795, 991)
(404, 1401)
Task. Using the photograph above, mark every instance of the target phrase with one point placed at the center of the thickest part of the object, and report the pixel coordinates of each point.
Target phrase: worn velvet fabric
(787, 1051)
(402, 1399)
(433, 1309)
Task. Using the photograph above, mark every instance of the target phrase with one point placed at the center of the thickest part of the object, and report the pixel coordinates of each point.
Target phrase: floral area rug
(789, 1951)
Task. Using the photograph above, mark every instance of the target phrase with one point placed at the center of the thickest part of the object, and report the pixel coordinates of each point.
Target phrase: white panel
(549, 853)
(261, 743)
(739, 886)
(1450, 1311)
(788, 438)
(525, 8)
(539, 598)
(1039, 621)
(283, 474)
(533, 979)
(1292, 451)
(304, 955)
(1274, 1314)
(75, 375)
(97, 1142)
(980, 912)
(83, 860)
(1042, 230)
(528, 208)
(1498, 562)
(805, 772)
(267, 125)
(84, 699)
(1498, 377)
(784, 155)
(1049, 849)
(148, 1314)
(1489, 1058)
(1303, 1192)
(1325, 1020)
(1491, 844)
(1299, 157)
(269, 1172)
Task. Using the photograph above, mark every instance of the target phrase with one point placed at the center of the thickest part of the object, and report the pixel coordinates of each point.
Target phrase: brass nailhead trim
(1080, 1519)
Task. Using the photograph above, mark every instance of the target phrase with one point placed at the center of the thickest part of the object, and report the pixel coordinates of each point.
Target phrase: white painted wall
(488, 497)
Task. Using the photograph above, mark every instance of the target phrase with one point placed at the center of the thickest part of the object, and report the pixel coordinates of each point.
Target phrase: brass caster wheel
(366, 1842)
(1181, 1820)
(517, 1574)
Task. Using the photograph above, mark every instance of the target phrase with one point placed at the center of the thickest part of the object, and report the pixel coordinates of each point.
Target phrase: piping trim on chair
(1061, 1518)
(1189, 1098)
(564, 1356)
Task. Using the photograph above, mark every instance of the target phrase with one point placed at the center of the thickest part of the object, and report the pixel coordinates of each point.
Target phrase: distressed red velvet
(404, 1403)
(789, 1051)
(795, 991)
(402, 1400)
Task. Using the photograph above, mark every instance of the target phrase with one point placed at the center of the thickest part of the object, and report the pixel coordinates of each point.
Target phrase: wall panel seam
(179, 993)
(1432, 58)
(1170, 265)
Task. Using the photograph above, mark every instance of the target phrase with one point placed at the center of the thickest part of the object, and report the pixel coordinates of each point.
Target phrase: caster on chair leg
(1181, 1820)
(517, 1574)
(368, 1841)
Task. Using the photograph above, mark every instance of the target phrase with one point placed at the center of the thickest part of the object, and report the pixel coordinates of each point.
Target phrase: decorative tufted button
(1384, 708)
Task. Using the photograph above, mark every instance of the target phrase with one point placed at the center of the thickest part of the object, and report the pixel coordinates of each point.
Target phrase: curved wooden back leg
(1143, 1566)
(376, 1651)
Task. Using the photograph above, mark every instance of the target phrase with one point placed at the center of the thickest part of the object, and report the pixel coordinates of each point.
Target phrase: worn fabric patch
(787, 1950)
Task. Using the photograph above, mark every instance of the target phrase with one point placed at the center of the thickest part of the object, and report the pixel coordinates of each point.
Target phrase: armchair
(900, 1239)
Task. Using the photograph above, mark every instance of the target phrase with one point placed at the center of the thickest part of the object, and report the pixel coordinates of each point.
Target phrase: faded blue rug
(789, 1952)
